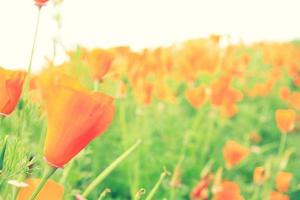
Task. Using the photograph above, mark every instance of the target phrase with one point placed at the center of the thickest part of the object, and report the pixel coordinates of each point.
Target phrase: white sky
(140, 23)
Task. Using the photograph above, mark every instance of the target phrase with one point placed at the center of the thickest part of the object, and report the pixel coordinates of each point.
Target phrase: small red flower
(40, 3)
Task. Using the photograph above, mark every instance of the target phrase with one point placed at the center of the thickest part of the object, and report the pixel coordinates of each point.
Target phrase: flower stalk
(109, 169)
(34, 39)
(156, 186)
(49, 171)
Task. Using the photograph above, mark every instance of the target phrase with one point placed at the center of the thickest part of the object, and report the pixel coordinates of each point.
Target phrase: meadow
(196, 120)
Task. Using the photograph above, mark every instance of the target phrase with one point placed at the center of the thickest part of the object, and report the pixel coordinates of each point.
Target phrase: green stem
(96, 85)
(49, 171)
(109, 169)
(156, 186)
(2, 154)
(139, 194)
(1, 121)
(66, 173)
(103, 194)
(34, 40)
(282, 143)
(198, 118)
(256, 192)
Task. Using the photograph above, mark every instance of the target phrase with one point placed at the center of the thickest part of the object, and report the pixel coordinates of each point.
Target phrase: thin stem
(282, 143)
(66, 173)
(1, 121)
(109, 169)
(2, 154)
(139, 194)
(96, 85)
(49, 171)
(34, 39)
(103, 194)
(156, 186)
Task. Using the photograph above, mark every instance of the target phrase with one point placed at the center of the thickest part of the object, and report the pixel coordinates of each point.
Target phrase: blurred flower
(285, 120)
(11, 85)
(285, 93)
(99, 62)
(40, 3)
(234, 153)
(200, 192)
(278, 196)
(79, 197)
(259, 175)
(17, 184)
(294, 100)
(197, 96)
(224, 96)
(254, 137)
(75, 117)
(51, 190)
(283, 180)
(229, 191)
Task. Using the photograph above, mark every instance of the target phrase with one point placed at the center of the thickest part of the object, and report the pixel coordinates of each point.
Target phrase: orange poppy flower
(55, 77)
(196, 96)
(99, 62)
(75, 117)
(259, 175)
(11, 85)
(229, 191)
(40, 3)
(283, 180)
(234, 153)
(285, 120)
(278, 196)
(50, 191)
(41, 84)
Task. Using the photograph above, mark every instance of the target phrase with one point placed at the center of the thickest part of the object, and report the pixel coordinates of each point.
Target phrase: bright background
(140, 23)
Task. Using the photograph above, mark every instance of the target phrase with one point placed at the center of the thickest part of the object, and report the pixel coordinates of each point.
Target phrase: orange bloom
(278, 196)
(11, 85)
(229, 191)
(219, 90)
(285, 93)
(294, 100)
(50, 191)
(200, 192)
(196, 96)
(40, 85)
(148, 89)
(285, 120)
(40, 3)
(75, 117)
(99, 62)
(259, 175)
(55, 77)
(234, 153)
(229, 110)
(283, 180)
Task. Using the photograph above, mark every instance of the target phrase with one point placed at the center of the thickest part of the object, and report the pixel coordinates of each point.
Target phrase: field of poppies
(197, 120)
